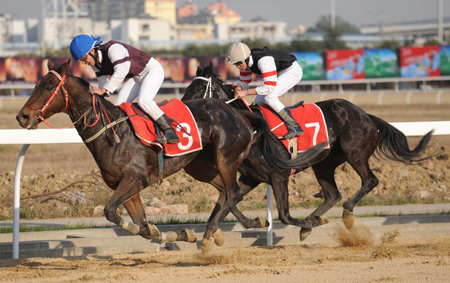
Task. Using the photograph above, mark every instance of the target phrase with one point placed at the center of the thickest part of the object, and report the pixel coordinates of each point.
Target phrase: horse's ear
(49, 64)
(210, 69)
(199, 71)
(65, 67)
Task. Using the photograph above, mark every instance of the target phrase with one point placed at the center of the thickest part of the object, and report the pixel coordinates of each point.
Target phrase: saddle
(182, 120)
(143, 114)
(308, 116)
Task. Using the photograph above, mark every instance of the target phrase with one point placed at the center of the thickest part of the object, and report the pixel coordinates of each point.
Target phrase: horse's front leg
(136, 211)
(127, 193)
(227, 201)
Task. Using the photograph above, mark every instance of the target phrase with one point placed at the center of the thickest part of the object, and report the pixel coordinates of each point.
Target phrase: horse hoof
(261, 222)
(218, 237)
(304, 233)
(187, 235)
(207, 245)
(130, 227)
(191, 238)
(153, 230)
(322, 220)
(168, 236)
(348, 219)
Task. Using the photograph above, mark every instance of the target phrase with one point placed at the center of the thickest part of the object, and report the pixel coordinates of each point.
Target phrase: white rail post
(269, 216)
(16, 212)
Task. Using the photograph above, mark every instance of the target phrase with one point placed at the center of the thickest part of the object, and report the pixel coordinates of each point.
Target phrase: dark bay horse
(128, 166)
(354, 136)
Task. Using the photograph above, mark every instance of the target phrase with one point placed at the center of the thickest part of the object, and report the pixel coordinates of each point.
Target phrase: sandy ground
(350, 259)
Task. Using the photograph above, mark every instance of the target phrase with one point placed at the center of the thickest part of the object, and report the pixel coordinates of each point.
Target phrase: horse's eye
(49, 87)
(199, 88)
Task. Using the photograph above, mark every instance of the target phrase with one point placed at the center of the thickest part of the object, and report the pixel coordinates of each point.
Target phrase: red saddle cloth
(309, 117)
(174, 109)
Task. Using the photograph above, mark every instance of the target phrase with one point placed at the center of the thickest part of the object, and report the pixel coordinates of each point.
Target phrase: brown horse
(128, 166)
(354, 136)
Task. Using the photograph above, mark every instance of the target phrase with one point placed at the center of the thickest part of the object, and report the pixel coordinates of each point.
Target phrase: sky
(293, 12)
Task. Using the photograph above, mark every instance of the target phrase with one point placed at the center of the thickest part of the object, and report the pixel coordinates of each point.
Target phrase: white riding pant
(144, 86)
(286, 80)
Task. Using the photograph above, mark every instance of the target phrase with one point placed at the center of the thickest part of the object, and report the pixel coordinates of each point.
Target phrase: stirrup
(165, 140)
(291, 133)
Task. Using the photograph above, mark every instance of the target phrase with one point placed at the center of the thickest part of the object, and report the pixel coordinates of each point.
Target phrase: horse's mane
(82, 82)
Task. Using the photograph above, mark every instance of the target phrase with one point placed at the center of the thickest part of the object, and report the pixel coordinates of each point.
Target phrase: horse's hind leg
(324, 172)
(369, 181)
(246, 185)
(281, 193)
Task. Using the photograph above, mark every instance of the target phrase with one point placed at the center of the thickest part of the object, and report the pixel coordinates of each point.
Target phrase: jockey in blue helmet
(82, 44)
(113, 63)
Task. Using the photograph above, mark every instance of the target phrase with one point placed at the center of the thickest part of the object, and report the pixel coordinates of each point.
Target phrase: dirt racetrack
(350, 259)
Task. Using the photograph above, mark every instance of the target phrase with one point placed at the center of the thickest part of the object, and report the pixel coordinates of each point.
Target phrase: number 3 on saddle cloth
(309, 117)
(175, 109)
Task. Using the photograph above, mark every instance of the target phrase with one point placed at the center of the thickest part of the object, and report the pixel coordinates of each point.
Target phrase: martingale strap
(123, 119)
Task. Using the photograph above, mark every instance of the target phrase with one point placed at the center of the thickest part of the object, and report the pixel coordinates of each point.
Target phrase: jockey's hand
(241, 93)
(98, 91)
(238, 87)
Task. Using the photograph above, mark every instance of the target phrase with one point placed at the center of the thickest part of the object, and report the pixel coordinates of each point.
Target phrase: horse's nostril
(21, 118)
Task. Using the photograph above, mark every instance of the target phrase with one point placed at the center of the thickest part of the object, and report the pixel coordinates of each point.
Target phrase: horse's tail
(269, 146)
(393, 144)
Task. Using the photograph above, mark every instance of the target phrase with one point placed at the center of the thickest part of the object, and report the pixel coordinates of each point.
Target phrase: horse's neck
(87, 110)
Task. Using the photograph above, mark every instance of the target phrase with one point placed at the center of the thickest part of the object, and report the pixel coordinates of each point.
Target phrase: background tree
(332, 40)
(432, 41)
(391, 44)
(305, 44)
(324, 23)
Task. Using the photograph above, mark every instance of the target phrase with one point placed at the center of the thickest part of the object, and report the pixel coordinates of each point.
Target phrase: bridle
(208, 90)
(66, 97)
(97, 115)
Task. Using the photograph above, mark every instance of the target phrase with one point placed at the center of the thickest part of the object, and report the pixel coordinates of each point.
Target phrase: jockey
(113, 62)
(280, 72)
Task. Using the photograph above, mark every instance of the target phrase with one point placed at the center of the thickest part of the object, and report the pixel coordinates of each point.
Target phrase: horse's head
(47, 98)
(208, 85)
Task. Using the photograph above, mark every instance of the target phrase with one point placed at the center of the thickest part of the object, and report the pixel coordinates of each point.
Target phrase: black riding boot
(292, 125)
(169, 133)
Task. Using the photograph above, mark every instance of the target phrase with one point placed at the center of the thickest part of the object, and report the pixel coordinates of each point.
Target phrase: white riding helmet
(237, 52)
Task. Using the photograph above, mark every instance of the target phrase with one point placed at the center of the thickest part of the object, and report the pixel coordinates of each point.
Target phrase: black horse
(354, 136)
(128, 166)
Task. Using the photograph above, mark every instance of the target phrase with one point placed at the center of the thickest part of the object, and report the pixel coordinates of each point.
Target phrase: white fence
(52, 136)
(425, 85)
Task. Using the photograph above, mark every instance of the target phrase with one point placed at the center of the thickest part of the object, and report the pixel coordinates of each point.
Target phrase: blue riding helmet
(82, 44)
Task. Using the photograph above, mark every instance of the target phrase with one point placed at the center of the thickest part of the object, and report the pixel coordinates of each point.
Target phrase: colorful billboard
(445, 60)
(312, 65)
(420, 61)
(345, 64)
(431, 60)
(381, 63)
